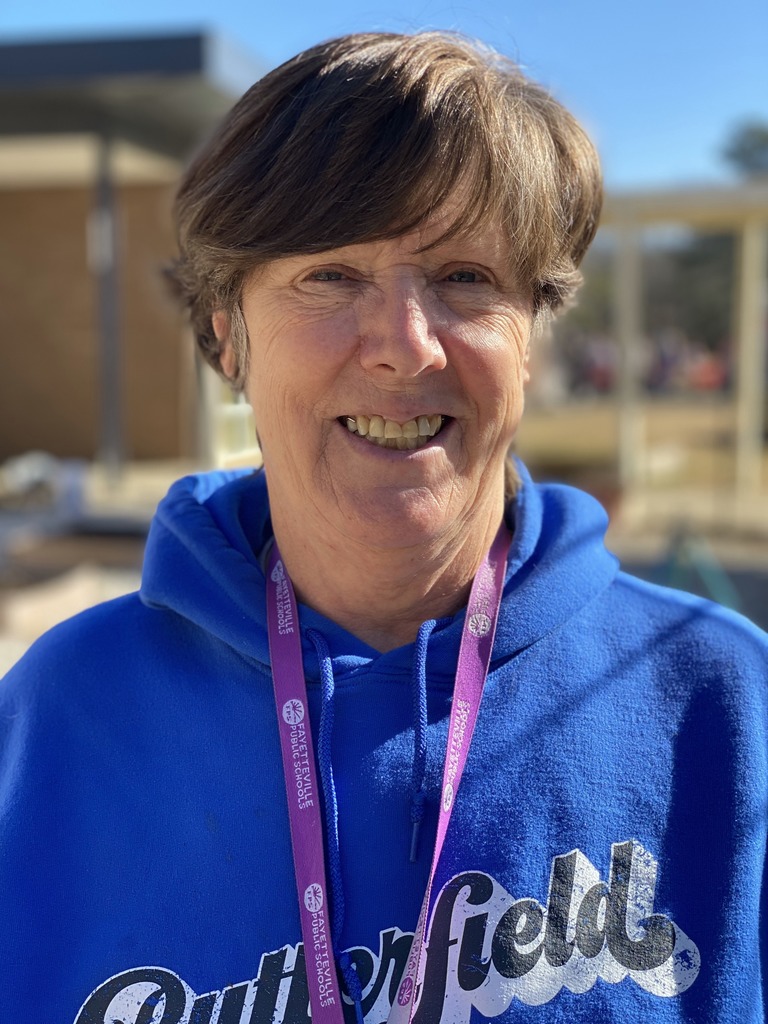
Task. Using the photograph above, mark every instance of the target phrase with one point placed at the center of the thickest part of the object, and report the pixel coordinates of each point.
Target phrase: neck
(383, 595)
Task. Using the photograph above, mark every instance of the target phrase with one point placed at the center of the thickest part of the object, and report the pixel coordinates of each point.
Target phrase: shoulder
(90, 654)
(85, 630)
(681, 608)
(84, 638)
(692, 630)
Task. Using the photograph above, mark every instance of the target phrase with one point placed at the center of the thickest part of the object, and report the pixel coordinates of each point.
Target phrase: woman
(226, 804)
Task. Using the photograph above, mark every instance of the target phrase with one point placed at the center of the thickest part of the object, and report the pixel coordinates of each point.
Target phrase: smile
(406, 436)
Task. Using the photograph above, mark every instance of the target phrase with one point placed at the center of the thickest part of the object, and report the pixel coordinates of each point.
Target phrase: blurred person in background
(265, 787)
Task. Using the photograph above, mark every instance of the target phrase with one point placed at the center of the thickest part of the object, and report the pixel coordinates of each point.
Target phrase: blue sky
(659, 83)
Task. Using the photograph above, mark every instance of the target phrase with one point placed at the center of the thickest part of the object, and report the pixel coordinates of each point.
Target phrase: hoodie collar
(202, 563)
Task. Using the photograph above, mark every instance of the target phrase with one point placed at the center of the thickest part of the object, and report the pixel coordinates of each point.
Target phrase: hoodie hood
(202, 562)
(618, 769)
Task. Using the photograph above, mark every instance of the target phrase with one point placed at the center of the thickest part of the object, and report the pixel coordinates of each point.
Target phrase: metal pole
(751, 358)
(103, 261)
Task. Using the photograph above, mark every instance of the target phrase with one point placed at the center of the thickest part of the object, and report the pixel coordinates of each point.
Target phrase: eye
(325, 274)
(465, 276)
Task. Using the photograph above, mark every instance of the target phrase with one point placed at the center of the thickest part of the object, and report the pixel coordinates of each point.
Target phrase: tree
(747, 149)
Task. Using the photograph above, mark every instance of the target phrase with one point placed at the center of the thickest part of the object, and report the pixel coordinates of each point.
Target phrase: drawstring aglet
(415, 829)
(418, 799)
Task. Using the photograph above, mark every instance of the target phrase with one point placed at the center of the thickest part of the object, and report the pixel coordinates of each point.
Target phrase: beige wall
(48, 328)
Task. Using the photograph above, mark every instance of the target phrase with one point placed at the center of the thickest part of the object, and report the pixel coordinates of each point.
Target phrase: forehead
(453, 224)
(446, 230)
(433, 241)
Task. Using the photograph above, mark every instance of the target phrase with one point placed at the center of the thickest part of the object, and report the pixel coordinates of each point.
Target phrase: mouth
(386, 433)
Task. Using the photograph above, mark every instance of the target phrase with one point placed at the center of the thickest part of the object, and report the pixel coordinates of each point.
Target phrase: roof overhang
(156, 94)
(713, 208)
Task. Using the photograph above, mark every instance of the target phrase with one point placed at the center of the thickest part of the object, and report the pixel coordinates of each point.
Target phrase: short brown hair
(363, 138)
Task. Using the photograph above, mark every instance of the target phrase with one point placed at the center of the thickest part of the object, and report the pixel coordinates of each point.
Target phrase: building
(96, 362)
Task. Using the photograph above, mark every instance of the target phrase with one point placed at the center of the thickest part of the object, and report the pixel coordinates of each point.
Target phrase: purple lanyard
(301, 775)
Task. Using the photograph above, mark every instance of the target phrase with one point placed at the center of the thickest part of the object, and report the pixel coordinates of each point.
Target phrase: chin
(399, 519)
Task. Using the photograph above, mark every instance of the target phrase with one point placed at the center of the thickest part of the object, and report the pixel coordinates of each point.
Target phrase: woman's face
(379, 338)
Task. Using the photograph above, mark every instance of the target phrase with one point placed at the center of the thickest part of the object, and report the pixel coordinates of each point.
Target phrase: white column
(103, 261)
(751, 357)
(628, 327)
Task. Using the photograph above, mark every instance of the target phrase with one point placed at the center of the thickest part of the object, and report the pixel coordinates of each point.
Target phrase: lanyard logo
(293, 712)
(479, 624)
(313, 897)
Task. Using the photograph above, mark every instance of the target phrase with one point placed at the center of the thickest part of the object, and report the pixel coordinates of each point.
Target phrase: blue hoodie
(605, 856)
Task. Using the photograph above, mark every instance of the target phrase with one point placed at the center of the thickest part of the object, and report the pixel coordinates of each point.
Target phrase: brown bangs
(365, 138)
(368, 148)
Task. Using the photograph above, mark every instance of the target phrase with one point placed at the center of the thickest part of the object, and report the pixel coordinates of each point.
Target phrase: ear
(527, 364)
(221, 328)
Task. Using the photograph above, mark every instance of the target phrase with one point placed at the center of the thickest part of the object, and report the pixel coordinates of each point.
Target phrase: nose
(399, 332)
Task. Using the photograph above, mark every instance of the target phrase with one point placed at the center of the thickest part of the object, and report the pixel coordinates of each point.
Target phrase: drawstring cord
(325, 765)
(419, 700)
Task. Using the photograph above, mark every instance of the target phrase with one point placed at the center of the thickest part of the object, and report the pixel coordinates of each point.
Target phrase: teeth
(390, 434)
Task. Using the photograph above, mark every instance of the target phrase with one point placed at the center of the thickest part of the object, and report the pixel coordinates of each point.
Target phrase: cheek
(305, 359)
(319, 348)
(499, 374)
(500, 361)
(268, 394)
(291, 378)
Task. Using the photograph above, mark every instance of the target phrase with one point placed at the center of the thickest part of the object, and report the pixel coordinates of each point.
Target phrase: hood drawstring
(419, 699)
(325, 765)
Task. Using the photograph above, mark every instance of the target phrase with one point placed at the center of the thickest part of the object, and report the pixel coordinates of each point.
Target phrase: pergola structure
(105, 112)
(742, 210)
